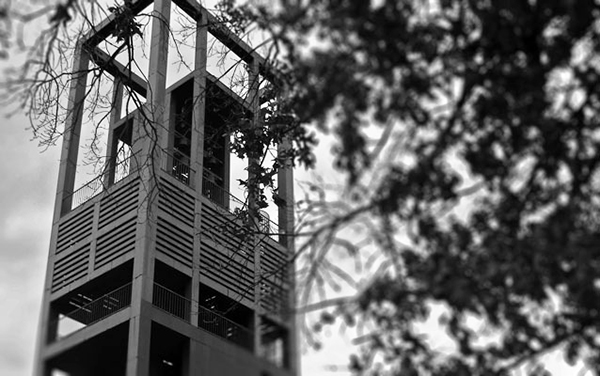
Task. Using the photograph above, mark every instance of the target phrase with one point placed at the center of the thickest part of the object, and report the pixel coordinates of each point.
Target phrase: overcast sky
(28, 182)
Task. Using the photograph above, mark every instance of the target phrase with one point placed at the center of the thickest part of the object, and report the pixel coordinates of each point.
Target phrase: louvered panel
(74, 229)
(231, 269)
(273, 257)
(118, 203)
(221, 228)
(238, 264)
(174, 242)
(115, 243)
(273, 295)
(176, 202)
(247, 291)
(230, 284)
(70, 268)
(274, 285)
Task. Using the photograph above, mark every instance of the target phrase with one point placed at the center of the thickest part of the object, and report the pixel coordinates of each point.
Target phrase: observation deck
(96, 242)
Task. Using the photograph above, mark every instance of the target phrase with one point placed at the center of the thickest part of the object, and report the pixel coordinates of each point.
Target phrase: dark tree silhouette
(434, 103)
(468, 133)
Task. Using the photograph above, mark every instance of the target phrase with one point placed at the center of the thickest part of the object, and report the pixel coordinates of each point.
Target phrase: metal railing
(93, 187)
(86, 192)
(100, 308)
(213, 190)
(180, 306)
(216, 324)
(171, 302)
(179, 167)
(122, 169)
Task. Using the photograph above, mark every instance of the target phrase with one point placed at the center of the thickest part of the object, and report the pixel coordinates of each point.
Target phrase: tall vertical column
(64, 193)
(197, 154)
(70, 150)
(285, 190)
(253, 210)
(197, 163)
(148, 131)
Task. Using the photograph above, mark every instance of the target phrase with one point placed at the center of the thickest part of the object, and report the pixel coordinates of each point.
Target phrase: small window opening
(122, 152)
(182, 106)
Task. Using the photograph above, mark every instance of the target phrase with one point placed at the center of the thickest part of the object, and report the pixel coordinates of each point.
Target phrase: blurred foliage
(434, 102)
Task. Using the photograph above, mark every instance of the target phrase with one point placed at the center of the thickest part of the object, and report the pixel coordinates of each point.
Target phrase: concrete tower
(154, 267)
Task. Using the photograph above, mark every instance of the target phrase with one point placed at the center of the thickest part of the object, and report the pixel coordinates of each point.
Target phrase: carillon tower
(155, 267)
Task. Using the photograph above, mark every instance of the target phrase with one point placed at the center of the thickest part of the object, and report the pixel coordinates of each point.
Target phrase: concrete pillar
(72, 133)
(138, 353)
(285, 190)
(64, 192)
(197, 153)
(148, 132)
(254, 213)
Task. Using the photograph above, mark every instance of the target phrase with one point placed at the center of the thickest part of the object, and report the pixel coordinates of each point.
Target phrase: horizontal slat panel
(222, 229)
(273, 259)
(273, 297)
(175, 242)
(71, 268)
(118, 203)
(220, 261)
(274, 286)
(232, 270)
(74, 229)
(176, 202)
(230, 284)
(115, 243)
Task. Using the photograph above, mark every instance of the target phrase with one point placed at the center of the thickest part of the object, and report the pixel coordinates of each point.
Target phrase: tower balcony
(178, 167)
(89, 312)
(100, 234)
(208, 319)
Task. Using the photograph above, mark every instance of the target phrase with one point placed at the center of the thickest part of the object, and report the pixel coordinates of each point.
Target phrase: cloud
(26, 201)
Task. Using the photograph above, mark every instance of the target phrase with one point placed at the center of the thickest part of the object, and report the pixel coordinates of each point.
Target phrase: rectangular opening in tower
(172, 291)
(225, 317)
(122, 163)
(227, 66)
(92, 302)
(182, 51)
(169, 352)
(182, 110)
(222, 114)
(101, 355)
